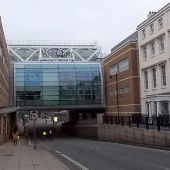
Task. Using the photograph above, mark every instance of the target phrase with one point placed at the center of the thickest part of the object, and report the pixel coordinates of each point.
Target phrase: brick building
(7, 112)
(122, 78)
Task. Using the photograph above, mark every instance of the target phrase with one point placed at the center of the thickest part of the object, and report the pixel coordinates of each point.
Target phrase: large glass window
(114, 69)
(124, 65)
(58, 84)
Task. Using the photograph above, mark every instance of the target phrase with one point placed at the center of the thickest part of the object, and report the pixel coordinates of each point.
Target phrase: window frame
(154, 80)
(125, 65)
(144, 33)
(144, 51)
(151, 28)
(160, 23)
(161, 41)
(152, 48)
(163, 75)
(146, 84)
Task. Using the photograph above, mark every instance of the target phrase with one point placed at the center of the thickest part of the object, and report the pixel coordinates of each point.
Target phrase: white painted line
(58, 152)
(162, 167)
(74, 162)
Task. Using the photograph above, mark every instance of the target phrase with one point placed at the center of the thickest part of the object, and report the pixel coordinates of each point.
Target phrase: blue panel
(33, 78)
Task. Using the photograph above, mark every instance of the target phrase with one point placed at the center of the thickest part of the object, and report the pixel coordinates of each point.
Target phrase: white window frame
(160, 23)
(152, 48)
(152, 28)
(143, 33)
(161, 41)
(144, 50)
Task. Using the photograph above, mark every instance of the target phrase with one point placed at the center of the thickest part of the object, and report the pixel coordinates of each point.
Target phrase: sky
(105, 21)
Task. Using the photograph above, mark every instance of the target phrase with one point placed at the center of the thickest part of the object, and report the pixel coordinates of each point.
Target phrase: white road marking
(162, 167)
(66, 157)
(58, 152)
(74, 162)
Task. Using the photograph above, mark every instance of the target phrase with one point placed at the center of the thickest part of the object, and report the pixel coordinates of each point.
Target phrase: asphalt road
(96, 155)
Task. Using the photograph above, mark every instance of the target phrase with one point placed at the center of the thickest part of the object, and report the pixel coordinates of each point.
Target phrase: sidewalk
(24, 157)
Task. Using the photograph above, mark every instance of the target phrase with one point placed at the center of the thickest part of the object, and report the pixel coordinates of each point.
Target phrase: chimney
(150, 14)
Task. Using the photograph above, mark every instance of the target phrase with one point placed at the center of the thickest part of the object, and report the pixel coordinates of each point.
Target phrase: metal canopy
(31, 51)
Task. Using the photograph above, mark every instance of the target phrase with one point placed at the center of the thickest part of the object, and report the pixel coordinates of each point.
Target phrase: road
(96, 155)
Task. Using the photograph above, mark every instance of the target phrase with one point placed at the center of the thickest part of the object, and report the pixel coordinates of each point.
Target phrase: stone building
(154, 58)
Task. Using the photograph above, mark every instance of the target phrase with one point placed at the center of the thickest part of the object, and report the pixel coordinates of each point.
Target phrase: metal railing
(155, 122)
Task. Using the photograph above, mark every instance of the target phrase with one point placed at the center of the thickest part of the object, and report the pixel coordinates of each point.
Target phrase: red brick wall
(128, 102)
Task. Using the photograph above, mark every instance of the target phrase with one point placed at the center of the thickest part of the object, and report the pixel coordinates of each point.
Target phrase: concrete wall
(133, 135)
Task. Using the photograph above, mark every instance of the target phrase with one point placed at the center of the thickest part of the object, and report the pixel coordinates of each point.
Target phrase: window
(147, 108)
(163, 73)
(143, 33)
(160, 22)
(161, 43)
(151, 28)
(146, 79)
(124, 65)
(114, 69)
(152, 48)
(144, 52)
(154, 77)
(155, 108)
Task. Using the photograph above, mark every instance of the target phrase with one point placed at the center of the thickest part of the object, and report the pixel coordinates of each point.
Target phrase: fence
(157, 122)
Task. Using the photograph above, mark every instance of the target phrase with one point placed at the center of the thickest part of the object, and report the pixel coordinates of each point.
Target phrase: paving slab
(24, 157)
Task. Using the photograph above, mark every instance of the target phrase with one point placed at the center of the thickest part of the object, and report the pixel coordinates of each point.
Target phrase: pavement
(24, 157)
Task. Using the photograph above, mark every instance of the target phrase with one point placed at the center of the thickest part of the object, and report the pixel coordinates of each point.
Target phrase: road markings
(58, 152)
(74, 162)
(162, 167)
(66, 157)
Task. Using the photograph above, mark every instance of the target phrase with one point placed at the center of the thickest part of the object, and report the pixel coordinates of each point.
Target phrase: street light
(55, 119)
(117, 94)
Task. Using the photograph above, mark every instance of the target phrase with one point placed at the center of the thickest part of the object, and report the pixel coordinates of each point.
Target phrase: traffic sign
(34, 115)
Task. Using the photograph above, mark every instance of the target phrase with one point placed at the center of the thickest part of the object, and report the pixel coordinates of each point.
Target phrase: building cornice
(152, 18)
(155, 64)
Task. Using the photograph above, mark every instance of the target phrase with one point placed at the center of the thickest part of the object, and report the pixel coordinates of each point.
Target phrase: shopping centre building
(53, 76)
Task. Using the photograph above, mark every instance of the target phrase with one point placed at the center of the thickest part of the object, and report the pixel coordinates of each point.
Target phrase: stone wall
(118, 133)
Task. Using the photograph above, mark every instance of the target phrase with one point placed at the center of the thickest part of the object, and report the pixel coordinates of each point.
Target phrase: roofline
(150, 19)
(120, 47)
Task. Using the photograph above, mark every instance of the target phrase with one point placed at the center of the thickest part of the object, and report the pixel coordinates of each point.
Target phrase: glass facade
(47, 84)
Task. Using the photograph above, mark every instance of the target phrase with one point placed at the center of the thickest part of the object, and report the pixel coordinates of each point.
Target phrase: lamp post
(117, 94)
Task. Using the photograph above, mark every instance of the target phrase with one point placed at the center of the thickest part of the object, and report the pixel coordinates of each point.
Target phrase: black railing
(155, 122)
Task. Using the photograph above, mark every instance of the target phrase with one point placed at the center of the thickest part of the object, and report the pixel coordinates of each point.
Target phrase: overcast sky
(106, 21)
